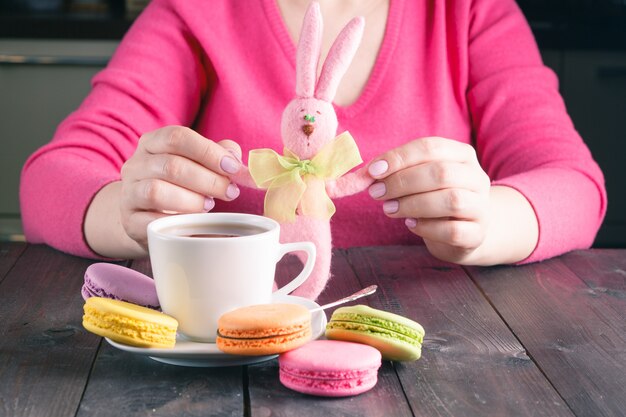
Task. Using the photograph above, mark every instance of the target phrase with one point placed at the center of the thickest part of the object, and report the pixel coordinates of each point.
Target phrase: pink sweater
(463, 69)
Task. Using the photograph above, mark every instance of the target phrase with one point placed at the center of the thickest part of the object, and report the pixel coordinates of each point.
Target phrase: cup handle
(311, 251)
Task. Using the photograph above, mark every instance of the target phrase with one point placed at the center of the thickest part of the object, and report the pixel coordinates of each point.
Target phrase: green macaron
(396, 337)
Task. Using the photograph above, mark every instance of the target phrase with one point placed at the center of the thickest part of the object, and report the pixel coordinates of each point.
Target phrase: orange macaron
(263, 329)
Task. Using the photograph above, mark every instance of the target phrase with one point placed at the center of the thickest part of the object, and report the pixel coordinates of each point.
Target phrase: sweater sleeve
(155, 78)
(524, 136)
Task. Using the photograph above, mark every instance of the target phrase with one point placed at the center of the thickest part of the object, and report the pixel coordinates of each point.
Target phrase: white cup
(200, 278)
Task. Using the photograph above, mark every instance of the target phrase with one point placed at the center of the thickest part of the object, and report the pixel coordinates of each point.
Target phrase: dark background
(557, 23)
(583, 41)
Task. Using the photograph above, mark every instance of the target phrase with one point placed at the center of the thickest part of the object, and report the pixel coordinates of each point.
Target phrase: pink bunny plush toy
(301, 183)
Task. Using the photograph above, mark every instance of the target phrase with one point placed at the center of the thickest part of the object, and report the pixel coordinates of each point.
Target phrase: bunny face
(308, 124)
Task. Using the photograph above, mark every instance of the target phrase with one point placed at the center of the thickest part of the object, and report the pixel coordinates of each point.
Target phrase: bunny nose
(308, 129)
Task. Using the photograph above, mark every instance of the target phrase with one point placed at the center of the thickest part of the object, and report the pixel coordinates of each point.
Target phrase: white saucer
(188, 353)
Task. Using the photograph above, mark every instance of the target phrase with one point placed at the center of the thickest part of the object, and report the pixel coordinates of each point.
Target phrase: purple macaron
(119, 283)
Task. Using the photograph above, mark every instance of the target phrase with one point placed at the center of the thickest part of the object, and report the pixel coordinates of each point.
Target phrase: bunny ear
(308, 53)
(339, 59)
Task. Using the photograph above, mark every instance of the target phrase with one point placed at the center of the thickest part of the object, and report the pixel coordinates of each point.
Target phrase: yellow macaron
(129, 323)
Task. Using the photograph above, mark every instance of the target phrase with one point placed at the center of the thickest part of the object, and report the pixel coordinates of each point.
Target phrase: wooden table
(546, 339)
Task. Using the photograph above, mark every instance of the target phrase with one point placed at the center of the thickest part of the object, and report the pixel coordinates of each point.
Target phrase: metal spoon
(362, 293)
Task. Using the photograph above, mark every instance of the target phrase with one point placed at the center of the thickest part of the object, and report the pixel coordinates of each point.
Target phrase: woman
(460, 123)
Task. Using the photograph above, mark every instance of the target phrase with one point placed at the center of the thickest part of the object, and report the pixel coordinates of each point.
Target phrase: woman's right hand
(175, 170)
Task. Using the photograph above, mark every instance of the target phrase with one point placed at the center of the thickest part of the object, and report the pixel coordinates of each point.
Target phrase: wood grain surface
(546, 339)
(45, 354)
(574, 332)
(125, 384)
(472, 365)
(9, 253)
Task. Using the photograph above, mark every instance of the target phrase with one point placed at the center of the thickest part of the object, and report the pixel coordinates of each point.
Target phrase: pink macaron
(330, 368)
(119, 283)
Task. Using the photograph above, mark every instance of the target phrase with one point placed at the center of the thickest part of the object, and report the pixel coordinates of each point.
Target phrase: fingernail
(209, 203)
(391, 206)
(236, 155)
(377, 190)
(378, 168)
(230, 165)
(410, 222)
(232, 191)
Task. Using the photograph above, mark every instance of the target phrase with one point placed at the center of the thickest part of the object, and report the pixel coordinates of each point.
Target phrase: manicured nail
(230, 165)
(236, 155)
(209, 203)
(377, 190)
(410, 222)
(232, 191)
(378, 168)
(391, 206)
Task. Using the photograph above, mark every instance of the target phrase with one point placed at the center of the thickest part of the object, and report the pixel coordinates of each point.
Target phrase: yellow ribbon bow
(287, 178)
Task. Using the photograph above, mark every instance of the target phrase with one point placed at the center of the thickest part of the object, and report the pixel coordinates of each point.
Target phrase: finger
(159, 196)
(184, 173)
(458, 233)
(449, 253)
(232, 147)
(136, 225)
(185, 142)
(428, 177)
(457, 203)
(418, 152)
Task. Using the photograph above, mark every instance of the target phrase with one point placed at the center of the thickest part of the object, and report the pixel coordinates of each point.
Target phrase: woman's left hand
(439, 187)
